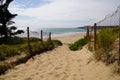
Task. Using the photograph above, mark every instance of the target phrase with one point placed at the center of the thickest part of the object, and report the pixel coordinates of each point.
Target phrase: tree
(5, 18)
(13, 32)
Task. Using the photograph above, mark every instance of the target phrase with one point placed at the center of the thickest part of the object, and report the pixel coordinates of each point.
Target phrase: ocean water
(62, 31)
(54, 31)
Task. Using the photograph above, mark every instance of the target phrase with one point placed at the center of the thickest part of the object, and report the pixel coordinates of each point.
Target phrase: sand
(62, 64)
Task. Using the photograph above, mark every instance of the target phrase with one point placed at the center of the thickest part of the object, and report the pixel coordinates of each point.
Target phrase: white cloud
(65, 10)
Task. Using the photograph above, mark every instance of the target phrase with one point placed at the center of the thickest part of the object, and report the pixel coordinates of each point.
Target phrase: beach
(62, 64)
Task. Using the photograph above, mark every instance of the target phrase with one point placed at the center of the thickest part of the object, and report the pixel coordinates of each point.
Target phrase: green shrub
(35, 48)
(22, 59)
(7, 51)
(2, 56)
(12, 52)
(90, 46)
(11, 40)
(32, 39)
(23, 47)
(105, 44)
(4, 67)
(74, 47)
(78, 44)
(105, 38)
(56, 43)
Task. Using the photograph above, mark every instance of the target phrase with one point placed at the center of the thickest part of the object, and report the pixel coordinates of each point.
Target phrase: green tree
(5, 17)
(13, 31)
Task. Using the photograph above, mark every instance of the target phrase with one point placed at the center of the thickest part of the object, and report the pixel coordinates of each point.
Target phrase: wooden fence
(41, 34)
(95, 28)
(41, 37)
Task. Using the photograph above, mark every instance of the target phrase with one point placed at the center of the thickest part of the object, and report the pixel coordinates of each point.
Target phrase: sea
(55, 32)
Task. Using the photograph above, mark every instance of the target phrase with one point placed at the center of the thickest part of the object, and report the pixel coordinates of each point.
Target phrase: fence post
(41, 36)
(95, 35)
(50, 36)
(87, 34)
(28, 38)
(119, 53)
(119, 44)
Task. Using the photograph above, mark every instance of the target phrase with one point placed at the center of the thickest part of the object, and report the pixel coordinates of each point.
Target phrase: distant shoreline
(56, 32)
(66, 34)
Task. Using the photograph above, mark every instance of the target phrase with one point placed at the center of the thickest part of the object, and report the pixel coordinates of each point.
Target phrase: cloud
(57, 12)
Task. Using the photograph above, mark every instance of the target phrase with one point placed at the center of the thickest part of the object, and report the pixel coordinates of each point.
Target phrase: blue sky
(60, 13)
(31, 3)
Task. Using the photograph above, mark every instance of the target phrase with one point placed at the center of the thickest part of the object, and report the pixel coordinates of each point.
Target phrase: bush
(74, 47)
(78, 44)
(90, 46)
(32, 39)
(11, 40)
(7, 51)
(39, 47)
(48, 45)
(105, 44)
(2, 56)
(106, 38)
(35, 48)
(4, 67)
(56, 43)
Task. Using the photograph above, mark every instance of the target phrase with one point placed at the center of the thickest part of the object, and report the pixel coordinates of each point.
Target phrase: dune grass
(36, 47)
(78, 44)
(8, 51)
(106, 47)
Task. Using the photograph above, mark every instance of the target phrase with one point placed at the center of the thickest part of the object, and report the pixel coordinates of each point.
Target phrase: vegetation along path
(61, 64)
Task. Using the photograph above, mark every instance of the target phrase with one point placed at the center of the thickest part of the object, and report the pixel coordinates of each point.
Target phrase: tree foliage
(6, 19)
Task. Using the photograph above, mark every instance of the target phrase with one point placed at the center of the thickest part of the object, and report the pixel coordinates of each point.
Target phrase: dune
(62, 64)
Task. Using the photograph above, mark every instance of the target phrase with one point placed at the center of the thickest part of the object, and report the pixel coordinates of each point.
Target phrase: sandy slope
(62, 64)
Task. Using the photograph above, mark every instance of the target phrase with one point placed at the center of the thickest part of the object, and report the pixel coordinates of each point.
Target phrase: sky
(60, 13)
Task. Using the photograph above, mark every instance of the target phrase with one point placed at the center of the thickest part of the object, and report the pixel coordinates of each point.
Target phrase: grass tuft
(78, 44)
(36, 47)
(106, 45)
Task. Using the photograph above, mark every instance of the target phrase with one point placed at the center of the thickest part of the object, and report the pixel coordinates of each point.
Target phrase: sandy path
(61, 64)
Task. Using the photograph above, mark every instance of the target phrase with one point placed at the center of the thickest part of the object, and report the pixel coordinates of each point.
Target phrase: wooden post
(87, 34)
(28, 38)
(41, 36)
(50, 36)
(28, 35)
(119, 54)
(95, 35)
(119, 45)
(119, 49)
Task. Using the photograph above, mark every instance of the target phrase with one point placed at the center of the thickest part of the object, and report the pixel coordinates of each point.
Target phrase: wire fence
(111, 19)
(40, 34)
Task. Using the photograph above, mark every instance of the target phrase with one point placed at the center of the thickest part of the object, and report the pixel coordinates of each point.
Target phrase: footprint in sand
(51, 73)
(82, 78)
(81, 74)
(13, 76)
(78, 60)
(58, 75)
(65, 77)
(2, 78)
(40, 69)
(36, 73)
(74, 76)
(29, 78)
(57, 68)
(79, 69)
(42, 76)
